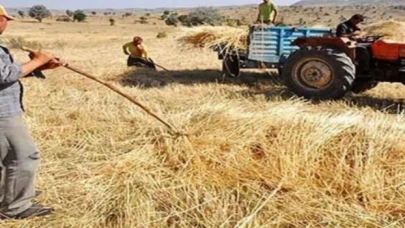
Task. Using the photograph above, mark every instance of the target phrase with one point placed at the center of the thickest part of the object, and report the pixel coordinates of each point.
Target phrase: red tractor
(329, 67)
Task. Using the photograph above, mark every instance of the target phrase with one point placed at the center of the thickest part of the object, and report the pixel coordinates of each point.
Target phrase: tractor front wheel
(319, 73)
(231, 66)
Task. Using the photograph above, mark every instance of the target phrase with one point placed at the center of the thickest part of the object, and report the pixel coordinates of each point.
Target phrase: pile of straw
(392, 30)
(209, 37)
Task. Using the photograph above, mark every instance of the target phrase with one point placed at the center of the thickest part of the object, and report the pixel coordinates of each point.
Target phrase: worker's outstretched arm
(275, 15)
(10, 73)
(355, 34)
(258, 16)
(125, 49)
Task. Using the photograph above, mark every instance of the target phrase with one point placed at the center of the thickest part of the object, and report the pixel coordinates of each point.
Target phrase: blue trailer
(314, 63)
(268, 46)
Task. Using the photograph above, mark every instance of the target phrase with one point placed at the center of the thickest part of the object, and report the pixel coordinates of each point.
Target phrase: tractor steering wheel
(367, 39)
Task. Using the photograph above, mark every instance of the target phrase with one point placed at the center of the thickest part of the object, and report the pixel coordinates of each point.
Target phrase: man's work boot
(36, 210)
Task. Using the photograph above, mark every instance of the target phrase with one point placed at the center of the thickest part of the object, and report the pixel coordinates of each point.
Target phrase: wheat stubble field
(256, 155)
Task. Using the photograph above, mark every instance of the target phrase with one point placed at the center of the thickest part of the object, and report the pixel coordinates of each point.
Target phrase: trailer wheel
(319, 73)
(231, 66)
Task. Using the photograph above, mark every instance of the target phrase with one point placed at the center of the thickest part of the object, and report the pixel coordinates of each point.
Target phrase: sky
(117, 4)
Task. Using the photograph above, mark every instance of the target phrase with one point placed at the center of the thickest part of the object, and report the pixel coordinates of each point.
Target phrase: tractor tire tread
(343, 68)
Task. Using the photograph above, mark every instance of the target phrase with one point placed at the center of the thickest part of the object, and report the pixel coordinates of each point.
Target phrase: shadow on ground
(391, 106)
(146, 78)
(385, 105)
(258, 83)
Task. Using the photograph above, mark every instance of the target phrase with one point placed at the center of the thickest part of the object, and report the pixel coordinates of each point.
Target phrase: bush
(161, 35)
(79, 16)
(69, 13)
(127, 14)
(64, 19)
(21, 41)
(301, 21)
(112, 21)
(143, 20)
(233, 22)
(201, 16)
(172, 20)
(39, 12)
(166, 13)
(21, 13)
(94, 13)
(183, 19)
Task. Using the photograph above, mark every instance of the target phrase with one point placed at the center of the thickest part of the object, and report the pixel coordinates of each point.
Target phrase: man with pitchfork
(19, 156)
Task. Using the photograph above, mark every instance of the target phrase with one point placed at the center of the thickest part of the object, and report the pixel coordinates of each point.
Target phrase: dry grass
(256, 157)
(212, 37)
(392, 30)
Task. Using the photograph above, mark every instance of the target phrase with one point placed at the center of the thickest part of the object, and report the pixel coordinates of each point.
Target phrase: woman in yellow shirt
(138, 53)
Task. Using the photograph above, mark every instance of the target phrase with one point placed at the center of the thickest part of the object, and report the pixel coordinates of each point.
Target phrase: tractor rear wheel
(319, 73)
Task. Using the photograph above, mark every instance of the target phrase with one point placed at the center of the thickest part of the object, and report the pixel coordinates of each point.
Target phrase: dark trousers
(140, 62)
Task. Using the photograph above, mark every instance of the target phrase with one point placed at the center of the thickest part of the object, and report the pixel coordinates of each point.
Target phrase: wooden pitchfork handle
(160, 66)
(115, 89)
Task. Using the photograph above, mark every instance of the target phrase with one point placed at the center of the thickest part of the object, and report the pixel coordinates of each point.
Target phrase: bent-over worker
(350, 28)
(19, 156)
(138, 53)
(267, 12)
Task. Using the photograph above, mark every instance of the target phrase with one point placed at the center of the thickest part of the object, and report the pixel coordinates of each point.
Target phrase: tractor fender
(344, 45)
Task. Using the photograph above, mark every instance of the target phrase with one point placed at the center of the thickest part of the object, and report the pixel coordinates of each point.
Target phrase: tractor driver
(351, 30)
(350, 27)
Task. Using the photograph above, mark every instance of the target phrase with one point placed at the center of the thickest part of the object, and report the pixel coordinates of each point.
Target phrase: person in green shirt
(267, 12)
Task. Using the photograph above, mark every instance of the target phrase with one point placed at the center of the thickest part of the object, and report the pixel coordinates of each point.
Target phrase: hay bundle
(392, 30)
(213, 37)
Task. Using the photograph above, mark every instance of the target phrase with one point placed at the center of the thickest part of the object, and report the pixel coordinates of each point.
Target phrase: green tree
(69, 13)
(112, 21)
(79, 16)
(21, 13)
(39, 12)
(172, 20)
(201, 16)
